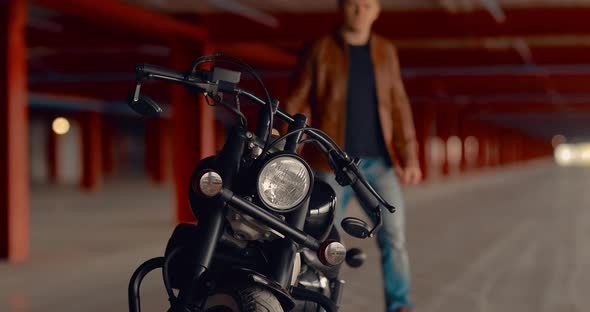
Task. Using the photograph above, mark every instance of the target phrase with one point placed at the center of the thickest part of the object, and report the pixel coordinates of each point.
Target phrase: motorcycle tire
(248, 299)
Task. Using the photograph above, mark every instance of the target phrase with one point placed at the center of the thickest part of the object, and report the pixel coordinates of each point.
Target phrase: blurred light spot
(436, 151)
(60, 125)
(454, 150)
(557, 139)
(563, 154)
(573, 154)
(471, 146)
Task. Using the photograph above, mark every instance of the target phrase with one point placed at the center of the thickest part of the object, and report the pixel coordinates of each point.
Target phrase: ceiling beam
(508, 99)
(514, 70)
(493, 43)
(254, 14)
(258, 54)
(128, 17)
(398, 25)
(494, 9)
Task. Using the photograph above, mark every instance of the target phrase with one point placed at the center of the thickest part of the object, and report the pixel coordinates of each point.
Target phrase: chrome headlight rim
(273, 157)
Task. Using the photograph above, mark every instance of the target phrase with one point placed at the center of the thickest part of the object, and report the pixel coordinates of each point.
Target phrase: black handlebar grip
(147, 69)
(364, 195)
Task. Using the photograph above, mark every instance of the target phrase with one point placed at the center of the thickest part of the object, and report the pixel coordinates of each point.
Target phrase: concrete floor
(514, 239)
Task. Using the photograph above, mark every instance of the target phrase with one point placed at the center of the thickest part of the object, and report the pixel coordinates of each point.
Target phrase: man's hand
(409, 175)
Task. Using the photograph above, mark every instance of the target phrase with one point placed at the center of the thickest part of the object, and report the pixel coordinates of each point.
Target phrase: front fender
(249, 276)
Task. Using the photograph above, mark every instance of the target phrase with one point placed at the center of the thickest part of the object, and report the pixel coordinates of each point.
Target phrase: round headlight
(283, 183)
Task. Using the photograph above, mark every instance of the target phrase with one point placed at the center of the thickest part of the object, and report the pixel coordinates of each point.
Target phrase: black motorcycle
(264, 240)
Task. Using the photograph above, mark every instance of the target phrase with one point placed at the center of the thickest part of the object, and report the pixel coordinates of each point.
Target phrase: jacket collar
(340, 41)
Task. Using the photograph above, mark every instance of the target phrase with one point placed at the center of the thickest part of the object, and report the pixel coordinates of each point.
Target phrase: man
(349, 85)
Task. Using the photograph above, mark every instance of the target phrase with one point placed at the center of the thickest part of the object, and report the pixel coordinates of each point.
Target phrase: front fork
(285, 250)
(336, 286)
(211, 221)
(282, 265)
(207, 235)
(211, 224)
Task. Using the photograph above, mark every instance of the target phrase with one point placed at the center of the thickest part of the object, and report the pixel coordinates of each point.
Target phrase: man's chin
(354, 28)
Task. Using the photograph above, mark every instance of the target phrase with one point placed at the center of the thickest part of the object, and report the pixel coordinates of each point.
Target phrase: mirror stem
(137, 91)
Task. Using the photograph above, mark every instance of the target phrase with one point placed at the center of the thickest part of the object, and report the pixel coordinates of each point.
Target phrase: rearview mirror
(144, 105)
(356, 227)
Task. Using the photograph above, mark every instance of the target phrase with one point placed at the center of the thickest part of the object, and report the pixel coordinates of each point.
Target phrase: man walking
(349, 85)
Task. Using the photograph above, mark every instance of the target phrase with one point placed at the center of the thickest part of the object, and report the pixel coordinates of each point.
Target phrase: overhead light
(60, 125)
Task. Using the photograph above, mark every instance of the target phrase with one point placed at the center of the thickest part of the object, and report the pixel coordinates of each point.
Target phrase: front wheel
(246, 299)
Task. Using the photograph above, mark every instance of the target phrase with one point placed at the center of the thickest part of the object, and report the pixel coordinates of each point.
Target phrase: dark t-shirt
(364, 137)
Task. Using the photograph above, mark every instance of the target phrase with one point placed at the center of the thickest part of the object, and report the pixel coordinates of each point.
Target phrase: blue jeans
(391, 236)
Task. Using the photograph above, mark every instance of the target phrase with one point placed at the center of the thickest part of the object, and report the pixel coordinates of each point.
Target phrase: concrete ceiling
(306, 6)
(524, 62)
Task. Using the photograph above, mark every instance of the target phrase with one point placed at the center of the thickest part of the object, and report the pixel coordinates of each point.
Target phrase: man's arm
(405, 136)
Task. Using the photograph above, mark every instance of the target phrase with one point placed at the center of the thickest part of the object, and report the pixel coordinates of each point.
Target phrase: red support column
(519, 149)
(503, 148)
(481, 134)
(536, 145)
(446, 126)
(539, 152)
(531, 147)
(194, 133)
(547, 148)
(424, 119)
(507, 147)
(526, 147)
(156, 148)
(52, 154)
(14, 156)
(536, 148)
(446, 167)
(109, 162)
(91, 130)
(493, 146)
(465, 130)
(519, 146)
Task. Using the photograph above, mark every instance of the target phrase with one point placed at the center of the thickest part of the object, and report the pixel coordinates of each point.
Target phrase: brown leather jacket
(319, 91)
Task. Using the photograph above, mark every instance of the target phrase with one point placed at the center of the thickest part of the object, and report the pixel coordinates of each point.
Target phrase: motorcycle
(265, 239)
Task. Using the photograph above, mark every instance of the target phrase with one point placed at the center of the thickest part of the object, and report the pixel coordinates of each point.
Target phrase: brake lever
(353, 166)
(377, 209)
(347, 172)
(382, 201)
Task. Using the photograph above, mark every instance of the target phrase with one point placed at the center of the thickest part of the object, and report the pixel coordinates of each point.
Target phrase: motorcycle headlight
(284, 182)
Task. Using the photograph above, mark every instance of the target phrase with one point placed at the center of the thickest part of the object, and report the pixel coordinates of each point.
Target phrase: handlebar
(200, 79)
(364, 195)
(368, 195)
(153, 71)
(346, 169)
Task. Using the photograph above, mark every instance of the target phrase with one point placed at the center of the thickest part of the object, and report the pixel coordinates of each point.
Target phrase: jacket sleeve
(404, 136)
(298, 99)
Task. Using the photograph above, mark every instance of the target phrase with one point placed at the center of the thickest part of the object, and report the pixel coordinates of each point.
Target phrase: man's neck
(355, 37)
